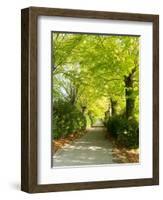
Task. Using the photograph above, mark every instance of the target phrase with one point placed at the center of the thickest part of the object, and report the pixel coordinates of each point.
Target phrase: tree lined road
(92, 149)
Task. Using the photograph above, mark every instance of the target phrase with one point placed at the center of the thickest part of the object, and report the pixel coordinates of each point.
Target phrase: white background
(10, 98)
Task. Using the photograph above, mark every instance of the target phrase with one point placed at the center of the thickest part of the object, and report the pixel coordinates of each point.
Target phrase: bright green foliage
(90, 72)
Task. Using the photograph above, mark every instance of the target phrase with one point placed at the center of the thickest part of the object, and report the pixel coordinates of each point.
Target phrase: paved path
(92, 149)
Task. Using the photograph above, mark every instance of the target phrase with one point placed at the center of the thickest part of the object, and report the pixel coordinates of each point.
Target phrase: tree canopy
(89, 70)
(94, 77)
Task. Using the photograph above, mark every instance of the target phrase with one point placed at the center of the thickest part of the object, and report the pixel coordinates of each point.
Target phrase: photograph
(95, 99)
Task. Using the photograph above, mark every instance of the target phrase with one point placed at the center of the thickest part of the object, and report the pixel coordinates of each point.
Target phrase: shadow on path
(92, 149)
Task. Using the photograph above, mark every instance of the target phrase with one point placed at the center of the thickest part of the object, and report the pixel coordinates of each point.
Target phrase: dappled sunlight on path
(92, 149)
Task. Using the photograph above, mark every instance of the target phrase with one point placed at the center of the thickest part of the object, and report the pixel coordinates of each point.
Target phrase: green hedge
(125, 131)
(67, 119)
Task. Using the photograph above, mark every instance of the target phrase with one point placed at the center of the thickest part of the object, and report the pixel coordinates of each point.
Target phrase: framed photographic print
(90, 99)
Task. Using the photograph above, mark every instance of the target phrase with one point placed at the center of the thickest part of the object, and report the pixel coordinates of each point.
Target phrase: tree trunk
(91, 118)
(130, 100)
(113, 105)
(73, 94)
(83, 109)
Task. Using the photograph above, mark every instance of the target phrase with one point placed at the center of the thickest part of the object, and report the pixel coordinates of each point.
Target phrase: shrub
(129, 135)
(114, 124)
(67, 119)
(125, 131)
